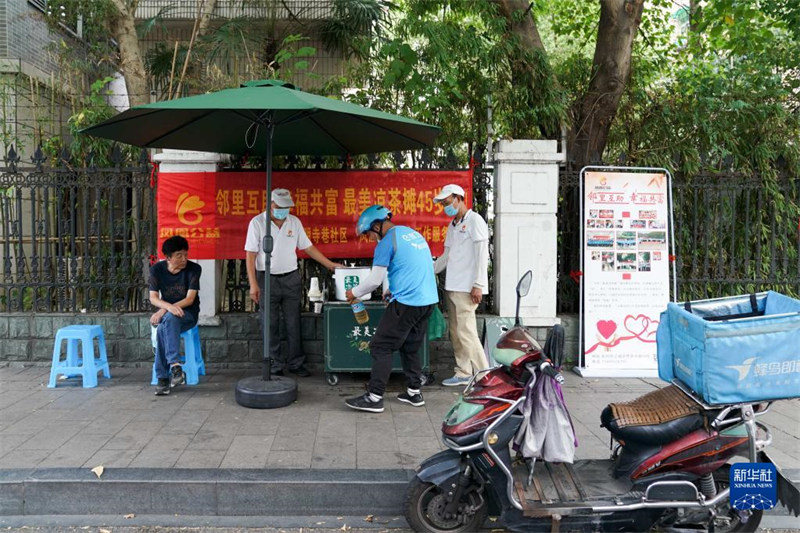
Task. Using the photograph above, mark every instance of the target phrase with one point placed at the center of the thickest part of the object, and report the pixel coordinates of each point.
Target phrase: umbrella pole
(266, 391)
(267, 364)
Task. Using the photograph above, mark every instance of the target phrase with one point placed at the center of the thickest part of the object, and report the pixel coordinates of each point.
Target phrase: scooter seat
(658, 417)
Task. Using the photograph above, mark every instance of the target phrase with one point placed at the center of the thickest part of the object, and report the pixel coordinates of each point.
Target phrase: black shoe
(415, 399)
(162, 389)
(176, 376)
(276, 372)
(300, 371)
(363, 403)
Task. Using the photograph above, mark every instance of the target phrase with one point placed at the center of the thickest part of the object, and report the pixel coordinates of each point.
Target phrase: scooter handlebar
(549, 370)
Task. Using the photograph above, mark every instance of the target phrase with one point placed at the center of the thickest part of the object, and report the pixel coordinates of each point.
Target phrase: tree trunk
(123, 28)
(522, 27)
(611, 70)
(206, 11)
(530, 68)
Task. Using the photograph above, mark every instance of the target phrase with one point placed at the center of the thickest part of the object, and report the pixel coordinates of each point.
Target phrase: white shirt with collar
(286, 241)
(466, 248)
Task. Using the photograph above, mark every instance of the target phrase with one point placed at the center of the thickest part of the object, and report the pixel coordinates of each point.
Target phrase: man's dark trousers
(402, 327)
(285, 293)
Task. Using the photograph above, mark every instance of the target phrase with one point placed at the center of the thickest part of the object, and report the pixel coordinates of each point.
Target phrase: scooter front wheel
(425, 504)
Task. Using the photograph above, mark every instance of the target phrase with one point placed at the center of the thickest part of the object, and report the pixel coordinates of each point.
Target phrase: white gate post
(525, 229)
(211, 286)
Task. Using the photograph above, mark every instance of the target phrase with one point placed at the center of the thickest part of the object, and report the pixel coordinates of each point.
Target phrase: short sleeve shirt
(286, 241)
(462, 259)
(407, 257)
(174, 287)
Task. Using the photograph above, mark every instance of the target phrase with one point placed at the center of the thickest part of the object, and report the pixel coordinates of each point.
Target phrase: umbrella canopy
(234, 121)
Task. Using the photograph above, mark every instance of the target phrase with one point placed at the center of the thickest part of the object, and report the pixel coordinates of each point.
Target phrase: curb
(212, 492)
(201, 492)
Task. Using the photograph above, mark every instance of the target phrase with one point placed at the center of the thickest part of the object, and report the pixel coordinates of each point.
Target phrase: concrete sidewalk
(121, 424)
(196, 453)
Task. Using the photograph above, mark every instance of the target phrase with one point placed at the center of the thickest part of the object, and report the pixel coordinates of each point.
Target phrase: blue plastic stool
(85, 365)
(192, 359)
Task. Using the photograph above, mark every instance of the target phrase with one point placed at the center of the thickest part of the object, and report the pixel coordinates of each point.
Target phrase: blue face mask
(280, 213)
(450, 210)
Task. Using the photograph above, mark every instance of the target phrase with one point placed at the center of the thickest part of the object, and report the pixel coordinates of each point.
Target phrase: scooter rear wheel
(424, 505)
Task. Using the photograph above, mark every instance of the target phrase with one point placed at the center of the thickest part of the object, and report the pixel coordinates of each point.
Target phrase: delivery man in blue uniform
(403, 255)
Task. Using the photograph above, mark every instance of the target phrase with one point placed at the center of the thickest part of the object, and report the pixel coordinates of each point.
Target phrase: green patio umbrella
(267, 117)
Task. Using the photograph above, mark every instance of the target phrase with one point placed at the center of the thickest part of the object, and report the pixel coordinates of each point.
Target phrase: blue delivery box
(735, 349)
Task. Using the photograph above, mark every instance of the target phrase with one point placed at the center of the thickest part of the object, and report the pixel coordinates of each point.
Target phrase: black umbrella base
(256, 393)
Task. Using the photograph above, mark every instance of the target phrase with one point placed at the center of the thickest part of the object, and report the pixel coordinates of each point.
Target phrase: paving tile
(248, 451)
(134, 436)
(337, 455)
(162, 451)
(54, 436)
(375, 435)
(212, 438)
(413, 425)
(335, 424)
(261, 422)
(200, 459)
(109, 423)
(205, 401)
(187, 422)
(9, 442)
(111, 458)
(367, 460)
(75, 452)
(23, 458)
(289, 459)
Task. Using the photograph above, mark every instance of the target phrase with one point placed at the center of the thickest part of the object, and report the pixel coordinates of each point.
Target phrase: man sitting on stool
(177, 280)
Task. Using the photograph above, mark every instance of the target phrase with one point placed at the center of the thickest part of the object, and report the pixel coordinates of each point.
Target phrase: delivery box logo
(188, 209)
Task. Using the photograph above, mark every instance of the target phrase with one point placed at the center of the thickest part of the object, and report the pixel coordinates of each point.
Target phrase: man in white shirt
(466, 258)
(286, 285)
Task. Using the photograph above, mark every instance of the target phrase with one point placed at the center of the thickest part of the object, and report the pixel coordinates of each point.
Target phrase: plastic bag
(546, 432)
(437, 325)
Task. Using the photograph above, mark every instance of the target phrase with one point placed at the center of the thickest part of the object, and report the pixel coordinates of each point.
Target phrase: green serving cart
(347, 342)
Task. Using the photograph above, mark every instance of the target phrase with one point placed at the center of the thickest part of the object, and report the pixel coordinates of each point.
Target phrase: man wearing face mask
(466, 258)
(286, 286)
(404, 255)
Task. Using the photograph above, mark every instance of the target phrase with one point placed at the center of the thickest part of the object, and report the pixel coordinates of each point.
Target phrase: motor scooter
(665, 472)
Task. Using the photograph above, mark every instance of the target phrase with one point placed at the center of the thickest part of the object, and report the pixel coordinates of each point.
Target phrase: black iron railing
(75, 238)
(733, 234)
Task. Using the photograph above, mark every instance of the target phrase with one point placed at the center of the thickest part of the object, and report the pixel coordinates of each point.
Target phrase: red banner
(213, 209)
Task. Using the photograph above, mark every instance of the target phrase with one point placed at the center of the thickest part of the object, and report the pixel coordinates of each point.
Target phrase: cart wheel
(428, 379)
(332, 379)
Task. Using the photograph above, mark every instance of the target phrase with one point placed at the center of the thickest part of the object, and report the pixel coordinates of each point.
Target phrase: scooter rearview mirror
(524, 285)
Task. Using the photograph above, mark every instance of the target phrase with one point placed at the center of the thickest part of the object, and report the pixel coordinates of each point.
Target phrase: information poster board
(626, 224)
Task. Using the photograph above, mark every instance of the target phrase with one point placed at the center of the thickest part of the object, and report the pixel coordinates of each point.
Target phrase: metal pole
(267, 245)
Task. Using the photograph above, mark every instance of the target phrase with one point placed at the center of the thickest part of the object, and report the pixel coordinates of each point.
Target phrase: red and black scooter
(664, 475)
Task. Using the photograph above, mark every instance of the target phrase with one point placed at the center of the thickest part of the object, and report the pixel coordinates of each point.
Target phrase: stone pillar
(525, 229)
(211, 284)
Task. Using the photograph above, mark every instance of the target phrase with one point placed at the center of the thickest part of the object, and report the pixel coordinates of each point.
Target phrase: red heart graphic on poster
(638, 325)
(606, 328)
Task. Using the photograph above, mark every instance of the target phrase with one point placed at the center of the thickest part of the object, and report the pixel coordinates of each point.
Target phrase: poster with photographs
(625, 270)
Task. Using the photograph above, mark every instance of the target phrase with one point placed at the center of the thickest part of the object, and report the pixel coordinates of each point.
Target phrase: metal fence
(733, 234)
(75, 238)
(82, 237)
